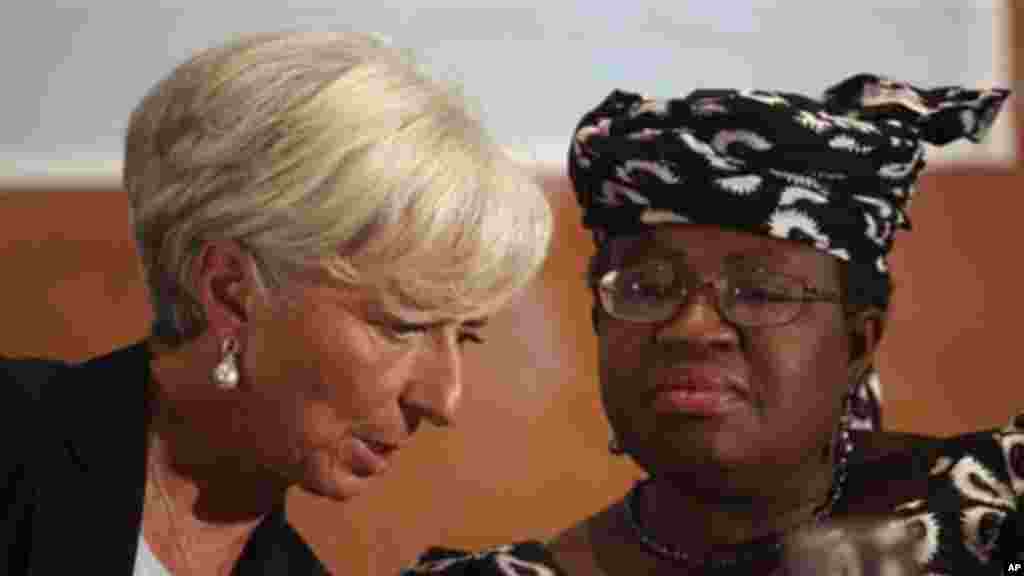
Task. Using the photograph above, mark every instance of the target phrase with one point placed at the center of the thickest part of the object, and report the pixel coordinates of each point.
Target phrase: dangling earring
(225, 374)
(841, 445)
(615, 447)
(846, 429)
(844, 446)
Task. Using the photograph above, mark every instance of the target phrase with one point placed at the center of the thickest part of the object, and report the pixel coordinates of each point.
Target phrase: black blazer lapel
(276, 548)
(89, 506)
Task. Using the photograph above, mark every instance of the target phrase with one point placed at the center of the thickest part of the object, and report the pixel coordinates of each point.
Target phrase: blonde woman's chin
(345, 472)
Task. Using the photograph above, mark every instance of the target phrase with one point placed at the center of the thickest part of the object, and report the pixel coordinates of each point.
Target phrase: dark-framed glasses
(747, 296)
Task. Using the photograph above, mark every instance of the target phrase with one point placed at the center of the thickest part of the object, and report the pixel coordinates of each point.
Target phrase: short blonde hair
(330, 149)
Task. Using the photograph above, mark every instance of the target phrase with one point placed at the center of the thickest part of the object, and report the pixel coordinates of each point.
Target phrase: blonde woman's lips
(369, 457)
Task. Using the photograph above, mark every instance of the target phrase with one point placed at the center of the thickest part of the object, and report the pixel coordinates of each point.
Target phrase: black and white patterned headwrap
(836, 173)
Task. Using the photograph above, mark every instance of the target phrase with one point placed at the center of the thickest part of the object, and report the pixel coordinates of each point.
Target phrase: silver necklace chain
(750, 551)
(169, 509)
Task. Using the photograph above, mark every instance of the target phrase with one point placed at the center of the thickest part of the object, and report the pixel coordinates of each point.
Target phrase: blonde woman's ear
(225, 284)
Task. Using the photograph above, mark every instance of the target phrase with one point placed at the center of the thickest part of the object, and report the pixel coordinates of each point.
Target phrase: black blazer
(73, 470)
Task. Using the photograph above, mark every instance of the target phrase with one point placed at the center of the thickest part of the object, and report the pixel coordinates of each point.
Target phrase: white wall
(73, 70)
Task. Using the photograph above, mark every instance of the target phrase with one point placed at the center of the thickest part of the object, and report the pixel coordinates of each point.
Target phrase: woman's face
(334, 384)
(775, 393)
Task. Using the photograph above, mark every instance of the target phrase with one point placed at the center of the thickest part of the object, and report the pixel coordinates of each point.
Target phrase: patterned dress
(959, 497)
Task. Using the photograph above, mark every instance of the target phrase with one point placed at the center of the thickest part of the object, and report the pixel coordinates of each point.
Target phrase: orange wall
(528, 455)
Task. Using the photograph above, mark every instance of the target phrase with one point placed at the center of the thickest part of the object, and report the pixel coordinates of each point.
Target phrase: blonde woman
(323, 229)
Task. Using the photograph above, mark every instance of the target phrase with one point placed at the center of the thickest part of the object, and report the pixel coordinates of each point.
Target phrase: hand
(862, 547)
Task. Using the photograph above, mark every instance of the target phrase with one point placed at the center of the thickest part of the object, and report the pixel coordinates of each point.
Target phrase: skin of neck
(675, 512)
(216, 496)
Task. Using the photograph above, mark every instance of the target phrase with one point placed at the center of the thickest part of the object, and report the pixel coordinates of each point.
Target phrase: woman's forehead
(386, 301)
(712, 244)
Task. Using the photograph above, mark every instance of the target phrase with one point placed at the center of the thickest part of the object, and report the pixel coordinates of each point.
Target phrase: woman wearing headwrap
(742, 291)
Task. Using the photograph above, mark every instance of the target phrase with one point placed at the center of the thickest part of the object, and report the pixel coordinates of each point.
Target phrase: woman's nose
(699, 320)
(435, 388)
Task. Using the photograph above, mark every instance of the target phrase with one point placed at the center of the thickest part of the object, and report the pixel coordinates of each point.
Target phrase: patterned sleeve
(522, 559)
(970, 521)
(1011, 439)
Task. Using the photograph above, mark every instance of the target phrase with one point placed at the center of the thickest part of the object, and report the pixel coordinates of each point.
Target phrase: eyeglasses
(745, 296)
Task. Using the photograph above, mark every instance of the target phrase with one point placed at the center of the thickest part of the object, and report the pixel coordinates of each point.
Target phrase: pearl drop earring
(225, 374)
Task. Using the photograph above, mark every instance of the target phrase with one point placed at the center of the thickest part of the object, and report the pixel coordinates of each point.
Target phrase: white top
(146, 563)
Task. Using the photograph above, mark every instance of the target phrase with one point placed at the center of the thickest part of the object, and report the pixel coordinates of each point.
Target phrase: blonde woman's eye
(470, 337)
(398, 330)
(405, 329)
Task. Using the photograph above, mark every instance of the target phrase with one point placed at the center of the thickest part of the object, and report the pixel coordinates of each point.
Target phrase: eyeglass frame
(688, 284)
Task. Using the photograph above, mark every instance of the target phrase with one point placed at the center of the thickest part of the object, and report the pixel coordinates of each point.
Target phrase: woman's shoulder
(522, 558)
(28, 379)
(998, 451)
(22, 378)
(962, 495)
(32, 386)
(22, 385)
(985, 467)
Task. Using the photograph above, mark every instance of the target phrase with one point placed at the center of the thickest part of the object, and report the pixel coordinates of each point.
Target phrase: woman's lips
(700, 391)
(369, 457)
(696, 403)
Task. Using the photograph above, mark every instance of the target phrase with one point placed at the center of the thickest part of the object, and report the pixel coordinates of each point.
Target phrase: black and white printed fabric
(837, 173)
(958, 499)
